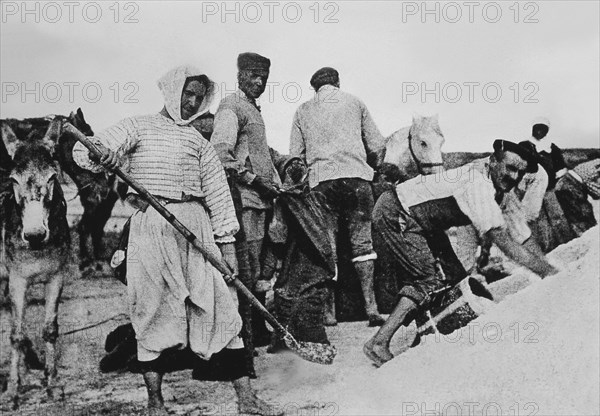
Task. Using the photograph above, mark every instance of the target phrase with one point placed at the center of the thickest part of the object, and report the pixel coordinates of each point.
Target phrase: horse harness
(420, 164)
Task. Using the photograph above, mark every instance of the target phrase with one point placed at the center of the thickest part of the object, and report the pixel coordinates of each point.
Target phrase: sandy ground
(535, 352)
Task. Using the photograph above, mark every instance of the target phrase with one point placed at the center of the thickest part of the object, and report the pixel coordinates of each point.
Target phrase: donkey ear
(53, 133)
(9, 138)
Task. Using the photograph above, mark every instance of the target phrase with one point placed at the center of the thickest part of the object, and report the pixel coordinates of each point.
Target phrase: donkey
(35, 243)
(98, 192)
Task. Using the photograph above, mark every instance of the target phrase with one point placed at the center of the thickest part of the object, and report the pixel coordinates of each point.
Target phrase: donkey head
(33, 176)
(426, 140)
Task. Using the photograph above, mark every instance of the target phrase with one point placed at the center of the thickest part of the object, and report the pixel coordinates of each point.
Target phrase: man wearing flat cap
(239, 137)
(341, 145)
(411, 221)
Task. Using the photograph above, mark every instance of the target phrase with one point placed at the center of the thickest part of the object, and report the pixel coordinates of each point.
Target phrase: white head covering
(544, 145)
(171, 85)
(540, 120)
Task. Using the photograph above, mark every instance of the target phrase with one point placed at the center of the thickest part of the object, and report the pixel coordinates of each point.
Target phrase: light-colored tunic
(334, 133)
(176, 297)
(240, 139)
(472, 189)
(162, 271)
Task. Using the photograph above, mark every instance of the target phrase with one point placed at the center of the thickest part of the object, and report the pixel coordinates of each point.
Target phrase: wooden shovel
(310, 351)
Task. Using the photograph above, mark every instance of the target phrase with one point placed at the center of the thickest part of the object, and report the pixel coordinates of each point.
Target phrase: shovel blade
(311, 351)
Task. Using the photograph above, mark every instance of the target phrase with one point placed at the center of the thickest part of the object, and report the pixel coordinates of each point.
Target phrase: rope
(119, 315)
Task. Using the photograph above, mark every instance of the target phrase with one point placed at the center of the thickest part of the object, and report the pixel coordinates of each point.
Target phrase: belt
(140, 203)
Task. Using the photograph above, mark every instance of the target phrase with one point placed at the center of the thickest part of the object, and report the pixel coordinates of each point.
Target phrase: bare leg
(17, 288)
(378, 347)
(98, 245)
(3, 286)
(102, 214)
(533, 247)
(249, 402)
(83, 229)
(50, 332)
(365, 271)
(156, 403)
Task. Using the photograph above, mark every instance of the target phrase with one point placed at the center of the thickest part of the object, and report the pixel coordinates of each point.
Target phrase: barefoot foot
(379, 354)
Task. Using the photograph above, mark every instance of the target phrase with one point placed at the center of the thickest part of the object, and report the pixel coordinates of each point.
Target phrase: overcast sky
(487, 68)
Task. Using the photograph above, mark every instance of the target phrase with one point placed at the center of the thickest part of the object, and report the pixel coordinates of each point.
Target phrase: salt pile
(535, 352)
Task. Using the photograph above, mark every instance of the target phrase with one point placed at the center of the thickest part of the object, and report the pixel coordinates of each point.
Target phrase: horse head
(425, 142)
(33, 176)
(416, 149)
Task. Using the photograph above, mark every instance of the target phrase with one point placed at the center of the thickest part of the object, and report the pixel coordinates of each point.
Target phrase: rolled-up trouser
(404, 244)
(226, 365)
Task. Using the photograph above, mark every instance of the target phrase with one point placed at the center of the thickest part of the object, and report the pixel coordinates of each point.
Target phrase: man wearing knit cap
(239, 137)
(341, 145)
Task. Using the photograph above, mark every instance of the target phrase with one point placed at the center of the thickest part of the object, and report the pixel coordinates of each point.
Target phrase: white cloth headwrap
(544, 145)
(540, 120)
(171, 85)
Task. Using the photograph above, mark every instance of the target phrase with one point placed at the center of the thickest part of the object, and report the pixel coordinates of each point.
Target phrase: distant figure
(341, 145)
(551, 156)
(566, 212)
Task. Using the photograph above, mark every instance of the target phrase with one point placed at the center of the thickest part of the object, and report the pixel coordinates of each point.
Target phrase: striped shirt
(461, 196)
(170, 161)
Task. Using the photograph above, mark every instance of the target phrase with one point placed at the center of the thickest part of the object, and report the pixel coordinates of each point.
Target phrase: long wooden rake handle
(217, 262)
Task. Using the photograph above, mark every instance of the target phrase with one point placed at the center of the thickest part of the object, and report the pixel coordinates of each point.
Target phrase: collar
(326, 93)
(544, 145)
(252, 101)
(327, 87)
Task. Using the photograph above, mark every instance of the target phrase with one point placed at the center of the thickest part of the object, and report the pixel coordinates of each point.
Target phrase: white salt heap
(535, 352)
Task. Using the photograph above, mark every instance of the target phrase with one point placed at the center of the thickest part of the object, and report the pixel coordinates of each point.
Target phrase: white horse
(416, 149)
